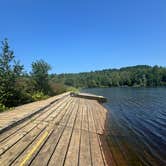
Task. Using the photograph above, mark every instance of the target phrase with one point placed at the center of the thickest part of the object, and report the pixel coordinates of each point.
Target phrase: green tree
(69, 82)
(10, 71)
(39, 74)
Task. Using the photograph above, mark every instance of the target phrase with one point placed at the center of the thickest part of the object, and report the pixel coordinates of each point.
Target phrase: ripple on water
(138, 117)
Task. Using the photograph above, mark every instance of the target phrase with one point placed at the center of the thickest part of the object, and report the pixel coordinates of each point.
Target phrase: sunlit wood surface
(70, 132)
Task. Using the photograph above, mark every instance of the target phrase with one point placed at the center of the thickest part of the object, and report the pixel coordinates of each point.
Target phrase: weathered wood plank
(71, 132)
(24, 112)
(85, 154)
(85, 149)
(97, 156)
(90, 96)
(9, 157)
(8, 143)
(59, 155)
(48, 149)
(57, 130)
(72, 156)
(13, 131)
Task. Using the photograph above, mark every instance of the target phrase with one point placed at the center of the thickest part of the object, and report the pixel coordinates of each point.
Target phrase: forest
(19, 87)
(134, 76)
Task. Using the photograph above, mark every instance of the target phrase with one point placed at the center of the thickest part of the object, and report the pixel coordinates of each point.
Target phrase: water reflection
(137, 124)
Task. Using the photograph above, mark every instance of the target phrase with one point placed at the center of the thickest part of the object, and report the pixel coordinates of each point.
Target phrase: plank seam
(9, 126)
(27, 123)
(48, 136)
(71, 135)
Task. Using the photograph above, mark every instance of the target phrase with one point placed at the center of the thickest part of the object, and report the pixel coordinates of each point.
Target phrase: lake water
(137, 123)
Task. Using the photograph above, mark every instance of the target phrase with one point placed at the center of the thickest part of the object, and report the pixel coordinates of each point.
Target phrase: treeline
(135, 76)
(17, 87)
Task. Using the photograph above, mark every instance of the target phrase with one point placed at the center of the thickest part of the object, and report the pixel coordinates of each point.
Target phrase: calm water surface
(137, 123)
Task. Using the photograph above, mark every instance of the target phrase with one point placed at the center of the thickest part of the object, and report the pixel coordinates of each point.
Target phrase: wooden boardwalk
(69, 132)
(9, 117)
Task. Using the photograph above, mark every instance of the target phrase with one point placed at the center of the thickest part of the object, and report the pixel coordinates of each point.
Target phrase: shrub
(39, 96)
(72, 89)
(57, 88)
(2, 107)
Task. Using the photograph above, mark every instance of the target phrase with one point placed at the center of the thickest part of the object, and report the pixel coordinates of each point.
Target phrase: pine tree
(10, 70)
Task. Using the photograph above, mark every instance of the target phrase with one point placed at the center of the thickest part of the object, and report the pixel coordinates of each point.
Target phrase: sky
(85, 35)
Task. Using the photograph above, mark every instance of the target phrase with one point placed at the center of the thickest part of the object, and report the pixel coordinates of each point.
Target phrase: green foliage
(69, 82)
(40, 76)
(57, 88)
(136, 76)
(39, 96)
(10, 70)
(2, 107)
(73, 89)
(17, 88)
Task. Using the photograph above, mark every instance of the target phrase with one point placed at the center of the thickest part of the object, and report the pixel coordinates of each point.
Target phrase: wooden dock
(100, 99)
(69, 131)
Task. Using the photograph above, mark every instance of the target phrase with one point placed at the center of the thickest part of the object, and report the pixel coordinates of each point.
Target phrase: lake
(137, 123)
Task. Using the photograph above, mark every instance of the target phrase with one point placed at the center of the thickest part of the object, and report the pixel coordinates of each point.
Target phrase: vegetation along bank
(19, 87)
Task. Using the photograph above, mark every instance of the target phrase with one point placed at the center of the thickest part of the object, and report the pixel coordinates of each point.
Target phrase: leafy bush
(57, 88)
(72, 89)
(2, 107)
(39, 96)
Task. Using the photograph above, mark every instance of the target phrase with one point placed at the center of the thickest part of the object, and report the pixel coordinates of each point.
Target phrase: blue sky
(85, 35)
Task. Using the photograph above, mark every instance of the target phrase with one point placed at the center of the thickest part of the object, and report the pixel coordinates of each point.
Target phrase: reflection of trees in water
(136, 124)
